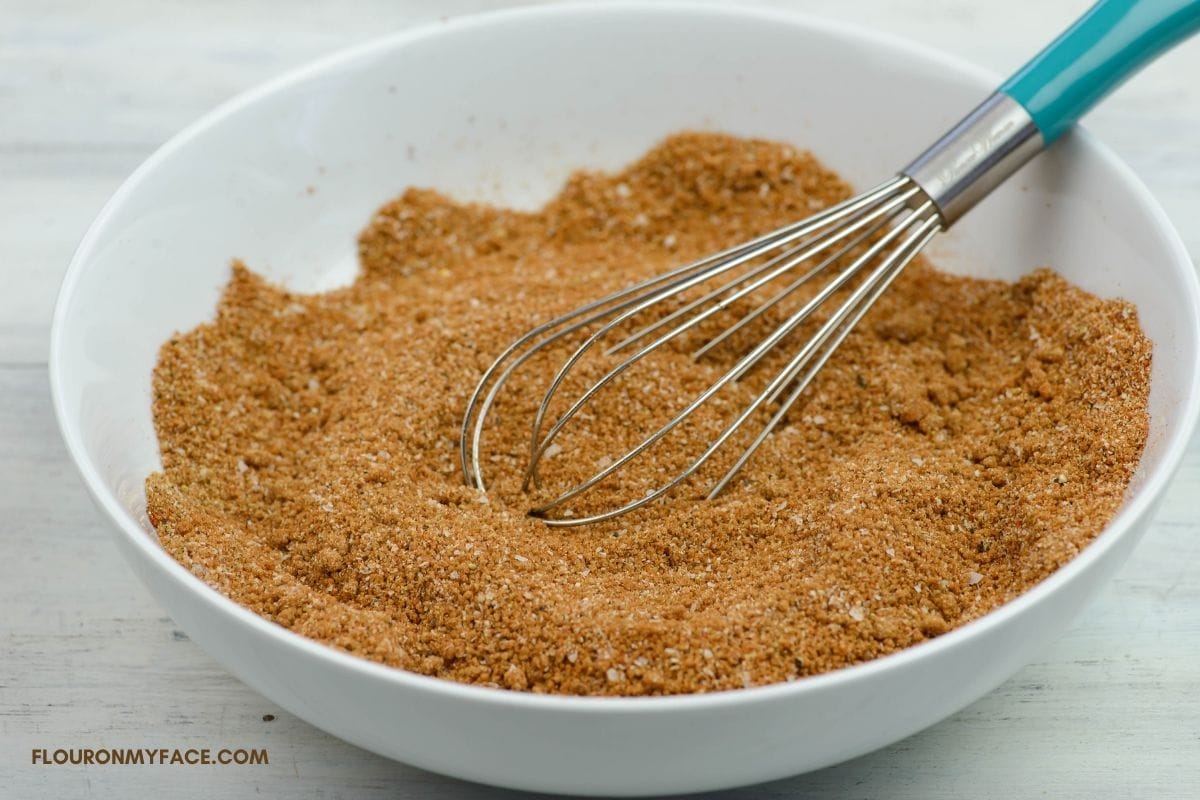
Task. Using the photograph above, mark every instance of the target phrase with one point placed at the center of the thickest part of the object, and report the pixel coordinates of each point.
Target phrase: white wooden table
(87, 659)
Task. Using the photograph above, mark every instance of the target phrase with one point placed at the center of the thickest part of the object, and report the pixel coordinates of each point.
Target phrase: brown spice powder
(967, 440)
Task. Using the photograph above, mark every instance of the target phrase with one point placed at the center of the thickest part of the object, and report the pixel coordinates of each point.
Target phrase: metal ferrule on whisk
(976, 155)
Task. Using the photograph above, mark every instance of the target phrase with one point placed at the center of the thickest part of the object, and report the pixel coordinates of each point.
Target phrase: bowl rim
(122, 521)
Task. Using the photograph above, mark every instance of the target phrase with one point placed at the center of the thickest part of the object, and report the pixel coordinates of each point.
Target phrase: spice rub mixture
(969, 438)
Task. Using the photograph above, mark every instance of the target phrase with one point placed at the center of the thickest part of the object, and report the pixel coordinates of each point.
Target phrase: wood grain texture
(87, 658)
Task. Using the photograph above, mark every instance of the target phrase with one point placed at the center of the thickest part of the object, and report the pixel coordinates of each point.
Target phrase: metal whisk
(858, 247)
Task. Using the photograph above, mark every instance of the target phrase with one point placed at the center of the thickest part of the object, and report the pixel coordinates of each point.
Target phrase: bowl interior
(500, 110)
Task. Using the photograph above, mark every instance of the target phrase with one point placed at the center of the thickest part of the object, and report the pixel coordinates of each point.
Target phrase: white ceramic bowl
(502, 107)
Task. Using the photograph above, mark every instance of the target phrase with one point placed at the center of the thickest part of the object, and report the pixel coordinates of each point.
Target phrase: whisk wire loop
(524, 348)
(920, 219)
(540, 444)
(889, 225)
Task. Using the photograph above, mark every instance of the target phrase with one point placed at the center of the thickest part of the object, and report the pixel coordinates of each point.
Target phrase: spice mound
(969, 437)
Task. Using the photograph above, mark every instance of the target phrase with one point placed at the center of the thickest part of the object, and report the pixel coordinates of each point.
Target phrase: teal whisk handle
(1105, 46)
(1039, 103)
